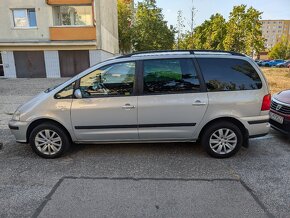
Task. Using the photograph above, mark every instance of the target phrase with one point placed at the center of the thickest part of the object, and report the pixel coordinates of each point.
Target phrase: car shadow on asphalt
(137, 148)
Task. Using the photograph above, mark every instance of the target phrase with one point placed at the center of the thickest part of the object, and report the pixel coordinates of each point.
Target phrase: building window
(24, 18)
(69, 15)
(1, 66)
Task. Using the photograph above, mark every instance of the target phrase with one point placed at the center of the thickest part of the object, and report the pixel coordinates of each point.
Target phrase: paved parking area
(157, 180)
(150, 198)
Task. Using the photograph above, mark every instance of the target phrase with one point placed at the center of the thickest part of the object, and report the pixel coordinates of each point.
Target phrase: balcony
(69, 2)
(72, 33)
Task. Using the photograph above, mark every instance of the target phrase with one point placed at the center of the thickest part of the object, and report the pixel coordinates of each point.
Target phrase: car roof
(170, 54)
(180, 52)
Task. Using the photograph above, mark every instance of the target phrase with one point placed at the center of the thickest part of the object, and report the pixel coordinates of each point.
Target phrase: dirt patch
(278, 78)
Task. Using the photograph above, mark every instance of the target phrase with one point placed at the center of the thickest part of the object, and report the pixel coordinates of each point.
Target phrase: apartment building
(55, 38)
(274, 30)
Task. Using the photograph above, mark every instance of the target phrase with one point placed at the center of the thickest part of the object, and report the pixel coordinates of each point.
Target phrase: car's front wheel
(222, 139)
(49, 140)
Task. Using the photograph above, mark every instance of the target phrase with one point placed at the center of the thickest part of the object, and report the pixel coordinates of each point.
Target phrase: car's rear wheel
(49, 140)
(222, 139)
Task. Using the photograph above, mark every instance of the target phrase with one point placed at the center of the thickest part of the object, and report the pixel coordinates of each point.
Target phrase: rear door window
(226, 74)
(170, 76)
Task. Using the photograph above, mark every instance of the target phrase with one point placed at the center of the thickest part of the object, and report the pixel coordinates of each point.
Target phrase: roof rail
(179, 51)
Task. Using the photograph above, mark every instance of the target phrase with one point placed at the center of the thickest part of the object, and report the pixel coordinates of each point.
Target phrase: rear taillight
(266, 103)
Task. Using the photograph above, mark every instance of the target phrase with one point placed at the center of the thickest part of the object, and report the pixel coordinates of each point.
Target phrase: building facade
(56, 38)
(274, 30)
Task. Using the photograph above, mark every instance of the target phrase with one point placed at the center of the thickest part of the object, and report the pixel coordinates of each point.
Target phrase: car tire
(267, 65)
(222, 139)
(49, 140)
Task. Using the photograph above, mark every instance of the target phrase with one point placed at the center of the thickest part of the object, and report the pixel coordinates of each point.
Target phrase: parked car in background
(260, 62)
(280, 112)
(272, 63)
(219, 97)
(285, 64)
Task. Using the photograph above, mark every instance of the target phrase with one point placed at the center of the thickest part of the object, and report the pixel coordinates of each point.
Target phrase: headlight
(16, 116)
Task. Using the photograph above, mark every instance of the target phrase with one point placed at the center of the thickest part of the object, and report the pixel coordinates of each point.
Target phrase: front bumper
(283, 128)
(19, 130)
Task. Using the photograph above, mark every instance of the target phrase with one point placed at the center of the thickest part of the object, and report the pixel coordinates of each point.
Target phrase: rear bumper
(18, 129)
(257, 126)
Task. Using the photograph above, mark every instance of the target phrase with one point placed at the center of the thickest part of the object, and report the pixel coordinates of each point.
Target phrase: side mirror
(78, 94)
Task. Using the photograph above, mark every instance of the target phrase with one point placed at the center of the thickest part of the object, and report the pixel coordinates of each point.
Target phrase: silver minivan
(220, 98)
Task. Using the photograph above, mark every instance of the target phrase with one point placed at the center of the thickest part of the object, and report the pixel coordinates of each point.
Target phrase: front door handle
(198, 103)
(128, 107)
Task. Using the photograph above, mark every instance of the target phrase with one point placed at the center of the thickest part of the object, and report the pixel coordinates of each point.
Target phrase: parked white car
(221, 98)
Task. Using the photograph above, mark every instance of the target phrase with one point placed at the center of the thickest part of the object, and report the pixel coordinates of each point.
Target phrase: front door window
(112, 80)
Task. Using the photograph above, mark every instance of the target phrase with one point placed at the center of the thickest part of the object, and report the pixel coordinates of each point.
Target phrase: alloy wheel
(223, 141)
(48, 142)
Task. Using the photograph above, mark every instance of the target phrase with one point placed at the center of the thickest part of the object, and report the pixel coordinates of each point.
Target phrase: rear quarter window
(226, 74)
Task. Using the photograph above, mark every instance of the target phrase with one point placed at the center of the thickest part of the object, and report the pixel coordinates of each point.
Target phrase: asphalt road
(141, 180)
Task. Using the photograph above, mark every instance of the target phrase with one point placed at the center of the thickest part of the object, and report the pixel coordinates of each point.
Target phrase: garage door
(73, 62)
(29, 64)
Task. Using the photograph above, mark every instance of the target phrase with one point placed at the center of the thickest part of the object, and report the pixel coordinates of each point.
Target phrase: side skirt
(133, 141)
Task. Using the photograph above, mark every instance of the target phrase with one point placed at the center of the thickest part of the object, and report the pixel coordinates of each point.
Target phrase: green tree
(209, 35)
(150, 29)
(235, 39)
(180, 26)
(215, 32)
(125, 16)
(254, 40)
(281, 50)
(244, 31)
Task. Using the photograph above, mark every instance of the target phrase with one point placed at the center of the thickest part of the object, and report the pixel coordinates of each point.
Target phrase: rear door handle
(198, 103)
(128, 107)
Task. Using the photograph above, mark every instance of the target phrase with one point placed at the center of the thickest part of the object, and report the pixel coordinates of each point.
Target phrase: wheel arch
(229, 119)
(37, 122)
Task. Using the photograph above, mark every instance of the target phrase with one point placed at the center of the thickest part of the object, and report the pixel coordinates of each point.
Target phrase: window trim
(135, 91)
(74, 88)
(27, 17)
(199, 77)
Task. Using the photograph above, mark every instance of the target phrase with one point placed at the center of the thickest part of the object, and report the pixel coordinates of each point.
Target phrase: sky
(273, 9)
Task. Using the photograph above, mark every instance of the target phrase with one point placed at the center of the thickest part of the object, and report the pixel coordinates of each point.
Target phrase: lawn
(278, 78)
